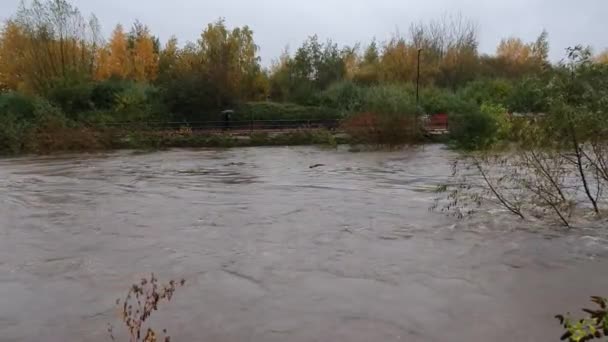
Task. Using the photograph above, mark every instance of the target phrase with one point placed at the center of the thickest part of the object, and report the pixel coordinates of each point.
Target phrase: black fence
(240, 125)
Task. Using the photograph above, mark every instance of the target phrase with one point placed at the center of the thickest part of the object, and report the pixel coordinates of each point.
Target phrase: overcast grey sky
(277, 23)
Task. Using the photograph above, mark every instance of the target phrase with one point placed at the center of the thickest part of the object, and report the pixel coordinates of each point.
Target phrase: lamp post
(418, 82)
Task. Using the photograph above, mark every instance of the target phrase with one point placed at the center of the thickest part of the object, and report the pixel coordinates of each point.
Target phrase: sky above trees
(279, 23)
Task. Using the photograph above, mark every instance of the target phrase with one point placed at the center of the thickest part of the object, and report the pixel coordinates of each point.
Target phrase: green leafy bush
(390, 99)
(474, 130)
(189, 98)
(21, 106)
(283, 111)
(12, 131)
(498, 114)
(530, 95)
(72, 98)
(19, 116)
(437, 100)
(104, 93)
(497, 91)
(345, 96)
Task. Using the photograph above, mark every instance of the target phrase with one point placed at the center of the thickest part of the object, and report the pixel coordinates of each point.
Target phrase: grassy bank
(186, 138)
(76, 139)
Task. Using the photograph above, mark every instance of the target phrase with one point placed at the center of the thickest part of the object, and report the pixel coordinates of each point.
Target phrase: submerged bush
(382, 129)
(304, 137)
(387, 117)
(479, 129)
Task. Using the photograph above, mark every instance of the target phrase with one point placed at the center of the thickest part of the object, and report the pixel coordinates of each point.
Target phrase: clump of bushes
(386, 117)
(32, 124)
(109, 101)
(345, 96)
(22, 118)
(382, 129)
(390, 99)
(479, 128)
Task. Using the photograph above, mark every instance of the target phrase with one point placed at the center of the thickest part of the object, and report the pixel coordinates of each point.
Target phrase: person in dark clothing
(226, 117)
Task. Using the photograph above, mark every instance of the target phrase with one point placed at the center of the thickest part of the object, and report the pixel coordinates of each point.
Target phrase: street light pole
(418, 82)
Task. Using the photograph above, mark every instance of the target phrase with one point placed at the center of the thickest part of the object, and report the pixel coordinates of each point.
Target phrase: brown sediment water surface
(273, 250)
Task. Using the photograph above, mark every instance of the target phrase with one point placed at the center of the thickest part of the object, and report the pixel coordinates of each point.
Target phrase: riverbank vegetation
(62, 84)
(552, 165)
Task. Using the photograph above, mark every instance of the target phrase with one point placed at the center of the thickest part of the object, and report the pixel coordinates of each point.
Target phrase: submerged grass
(85, 139)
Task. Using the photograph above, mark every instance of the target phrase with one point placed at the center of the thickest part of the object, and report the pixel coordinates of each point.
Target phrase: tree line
(53, 59)
(47, 43)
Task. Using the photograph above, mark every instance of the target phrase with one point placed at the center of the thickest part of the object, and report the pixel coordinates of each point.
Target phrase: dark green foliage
(345, 96)
(73, 99)
(529, 95)
(479, 128)
(389, 99)
(351, 98)
(283, 111)
(473, 130)
(497, 91)
(138, 103)
(104, 93)
(108, 101)
(20, 106)
(20, 116)
(12, 131)
(313, 68)
(188, 98)
(436, 100)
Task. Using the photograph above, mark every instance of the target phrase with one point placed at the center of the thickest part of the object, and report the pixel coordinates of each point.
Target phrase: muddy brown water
(273, 250)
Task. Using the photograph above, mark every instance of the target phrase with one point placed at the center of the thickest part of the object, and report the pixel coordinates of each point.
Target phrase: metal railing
(237, 125)
(249, 125)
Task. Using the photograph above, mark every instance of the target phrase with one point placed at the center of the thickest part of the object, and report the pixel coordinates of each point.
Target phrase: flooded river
(273, 250)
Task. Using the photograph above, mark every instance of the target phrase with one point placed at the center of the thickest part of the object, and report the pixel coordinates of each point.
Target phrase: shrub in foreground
(593, 326)
(140, 303)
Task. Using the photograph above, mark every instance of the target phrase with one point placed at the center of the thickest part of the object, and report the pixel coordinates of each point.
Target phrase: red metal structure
(437, 123)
